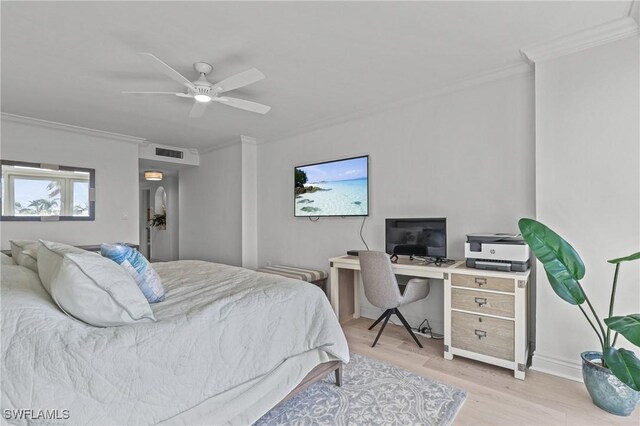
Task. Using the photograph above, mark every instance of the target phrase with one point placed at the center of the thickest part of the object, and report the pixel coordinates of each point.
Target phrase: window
(30, 192)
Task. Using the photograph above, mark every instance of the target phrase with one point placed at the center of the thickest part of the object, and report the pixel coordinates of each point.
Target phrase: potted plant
(612, 376)
(159, 221)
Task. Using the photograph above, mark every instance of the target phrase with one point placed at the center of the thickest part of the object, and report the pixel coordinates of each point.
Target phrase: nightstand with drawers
(486, 317)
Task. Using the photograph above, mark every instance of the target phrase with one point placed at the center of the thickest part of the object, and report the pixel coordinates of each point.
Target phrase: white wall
(249, 203)
(116, 165)
(588, 187)
(165, 242)
(210, 207)
(466, 156)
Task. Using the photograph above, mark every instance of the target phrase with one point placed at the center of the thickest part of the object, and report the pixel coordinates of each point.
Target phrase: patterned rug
(372, 393)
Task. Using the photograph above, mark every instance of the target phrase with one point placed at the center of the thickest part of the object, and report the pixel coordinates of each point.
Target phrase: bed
(228, 345)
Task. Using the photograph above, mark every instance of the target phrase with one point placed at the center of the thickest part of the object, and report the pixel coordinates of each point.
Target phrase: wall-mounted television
(332, 188)
(417, 237)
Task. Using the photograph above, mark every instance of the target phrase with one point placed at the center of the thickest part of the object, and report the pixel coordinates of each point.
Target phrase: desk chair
(382, 291)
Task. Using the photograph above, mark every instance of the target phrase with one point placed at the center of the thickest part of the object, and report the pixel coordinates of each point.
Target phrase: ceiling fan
(204, 92)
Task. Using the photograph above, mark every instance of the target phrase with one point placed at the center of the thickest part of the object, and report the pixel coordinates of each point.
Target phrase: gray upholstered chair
(382, 291)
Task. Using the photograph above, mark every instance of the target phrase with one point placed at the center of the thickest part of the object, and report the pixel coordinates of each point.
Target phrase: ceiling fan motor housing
(202, 67)
(202, 89)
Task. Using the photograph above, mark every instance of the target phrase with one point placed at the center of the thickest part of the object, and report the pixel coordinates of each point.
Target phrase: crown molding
(477, 80)
(581, 40)
(70, 128)
(243, 139)
(249, 140)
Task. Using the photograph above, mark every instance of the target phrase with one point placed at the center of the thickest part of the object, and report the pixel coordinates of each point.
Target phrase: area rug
(372, 393)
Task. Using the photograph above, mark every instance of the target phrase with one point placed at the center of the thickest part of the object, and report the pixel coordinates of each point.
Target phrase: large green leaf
(568, 290)
(628, 326)
(561, 262)
(624, 365)
(634, 256)
(549, 247)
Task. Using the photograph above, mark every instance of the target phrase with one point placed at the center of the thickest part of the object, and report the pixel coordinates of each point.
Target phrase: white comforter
(219, 327)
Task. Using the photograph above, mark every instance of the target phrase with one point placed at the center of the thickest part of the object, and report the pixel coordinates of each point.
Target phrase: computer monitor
(417, 237)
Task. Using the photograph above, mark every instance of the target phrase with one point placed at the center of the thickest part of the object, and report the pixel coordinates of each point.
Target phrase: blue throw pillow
(138, 267)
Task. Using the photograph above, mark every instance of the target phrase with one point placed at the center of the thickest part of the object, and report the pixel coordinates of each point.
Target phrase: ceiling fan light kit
(203, 91)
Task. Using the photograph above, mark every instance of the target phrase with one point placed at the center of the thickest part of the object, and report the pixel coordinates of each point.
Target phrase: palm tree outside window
(33, 191)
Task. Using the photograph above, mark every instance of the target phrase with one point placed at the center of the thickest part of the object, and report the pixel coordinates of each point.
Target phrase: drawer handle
(480, 334)
(481, 301)
(480, 281)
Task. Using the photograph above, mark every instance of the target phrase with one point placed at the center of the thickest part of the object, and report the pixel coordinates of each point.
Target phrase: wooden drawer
(483, 302)
(483, 335)
(485, 283)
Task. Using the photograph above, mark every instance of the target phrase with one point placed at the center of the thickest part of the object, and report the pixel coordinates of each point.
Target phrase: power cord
(425, 331)
(361, 237)
(428, 331)
(317, 218)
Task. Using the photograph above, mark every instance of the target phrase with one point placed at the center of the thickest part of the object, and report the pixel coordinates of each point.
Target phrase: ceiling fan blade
(242, 104)
(126, 92)
(167, 70)
(242, 79)
(198, 109)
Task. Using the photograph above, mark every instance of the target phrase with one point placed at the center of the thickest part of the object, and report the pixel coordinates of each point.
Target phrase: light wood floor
(494, 397)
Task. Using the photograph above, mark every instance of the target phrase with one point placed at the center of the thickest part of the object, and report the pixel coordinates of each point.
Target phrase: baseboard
(374, 313)
(560, 367)
(557, 366)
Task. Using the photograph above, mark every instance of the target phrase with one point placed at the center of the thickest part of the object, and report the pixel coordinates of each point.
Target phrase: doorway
(145, 227)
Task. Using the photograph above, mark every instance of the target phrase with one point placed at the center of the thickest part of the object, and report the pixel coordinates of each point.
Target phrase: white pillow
(24, 253)
(7, 260)
(50, 258)
(97, 291)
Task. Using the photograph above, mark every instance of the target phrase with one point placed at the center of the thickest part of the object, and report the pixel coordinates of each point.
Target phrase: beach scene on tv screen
(338, 188)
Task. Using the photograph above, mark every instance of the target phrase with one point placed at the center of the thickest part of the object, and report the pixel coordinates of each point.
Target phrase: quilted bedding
(219, 327)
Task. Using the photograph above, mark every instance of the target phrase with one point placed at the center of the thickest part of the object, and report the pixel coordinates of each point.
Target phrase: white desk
(485, 312)
(347, 285)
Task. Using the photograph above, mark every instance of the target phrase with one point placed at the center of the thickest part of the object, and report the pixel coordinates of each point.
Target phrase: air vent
(171, 153)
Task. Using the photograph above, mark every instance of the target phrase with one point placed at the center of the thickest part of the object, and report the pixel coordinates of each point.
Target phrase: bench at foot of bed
(313, 276)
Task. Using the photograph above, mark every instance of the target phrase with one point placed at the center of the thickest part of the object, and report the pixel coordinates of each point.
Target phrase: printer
(497, 252)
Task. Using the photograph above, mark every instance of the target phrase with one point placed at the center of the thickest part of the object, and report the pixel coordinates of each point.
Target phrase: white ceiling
(68, 62)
